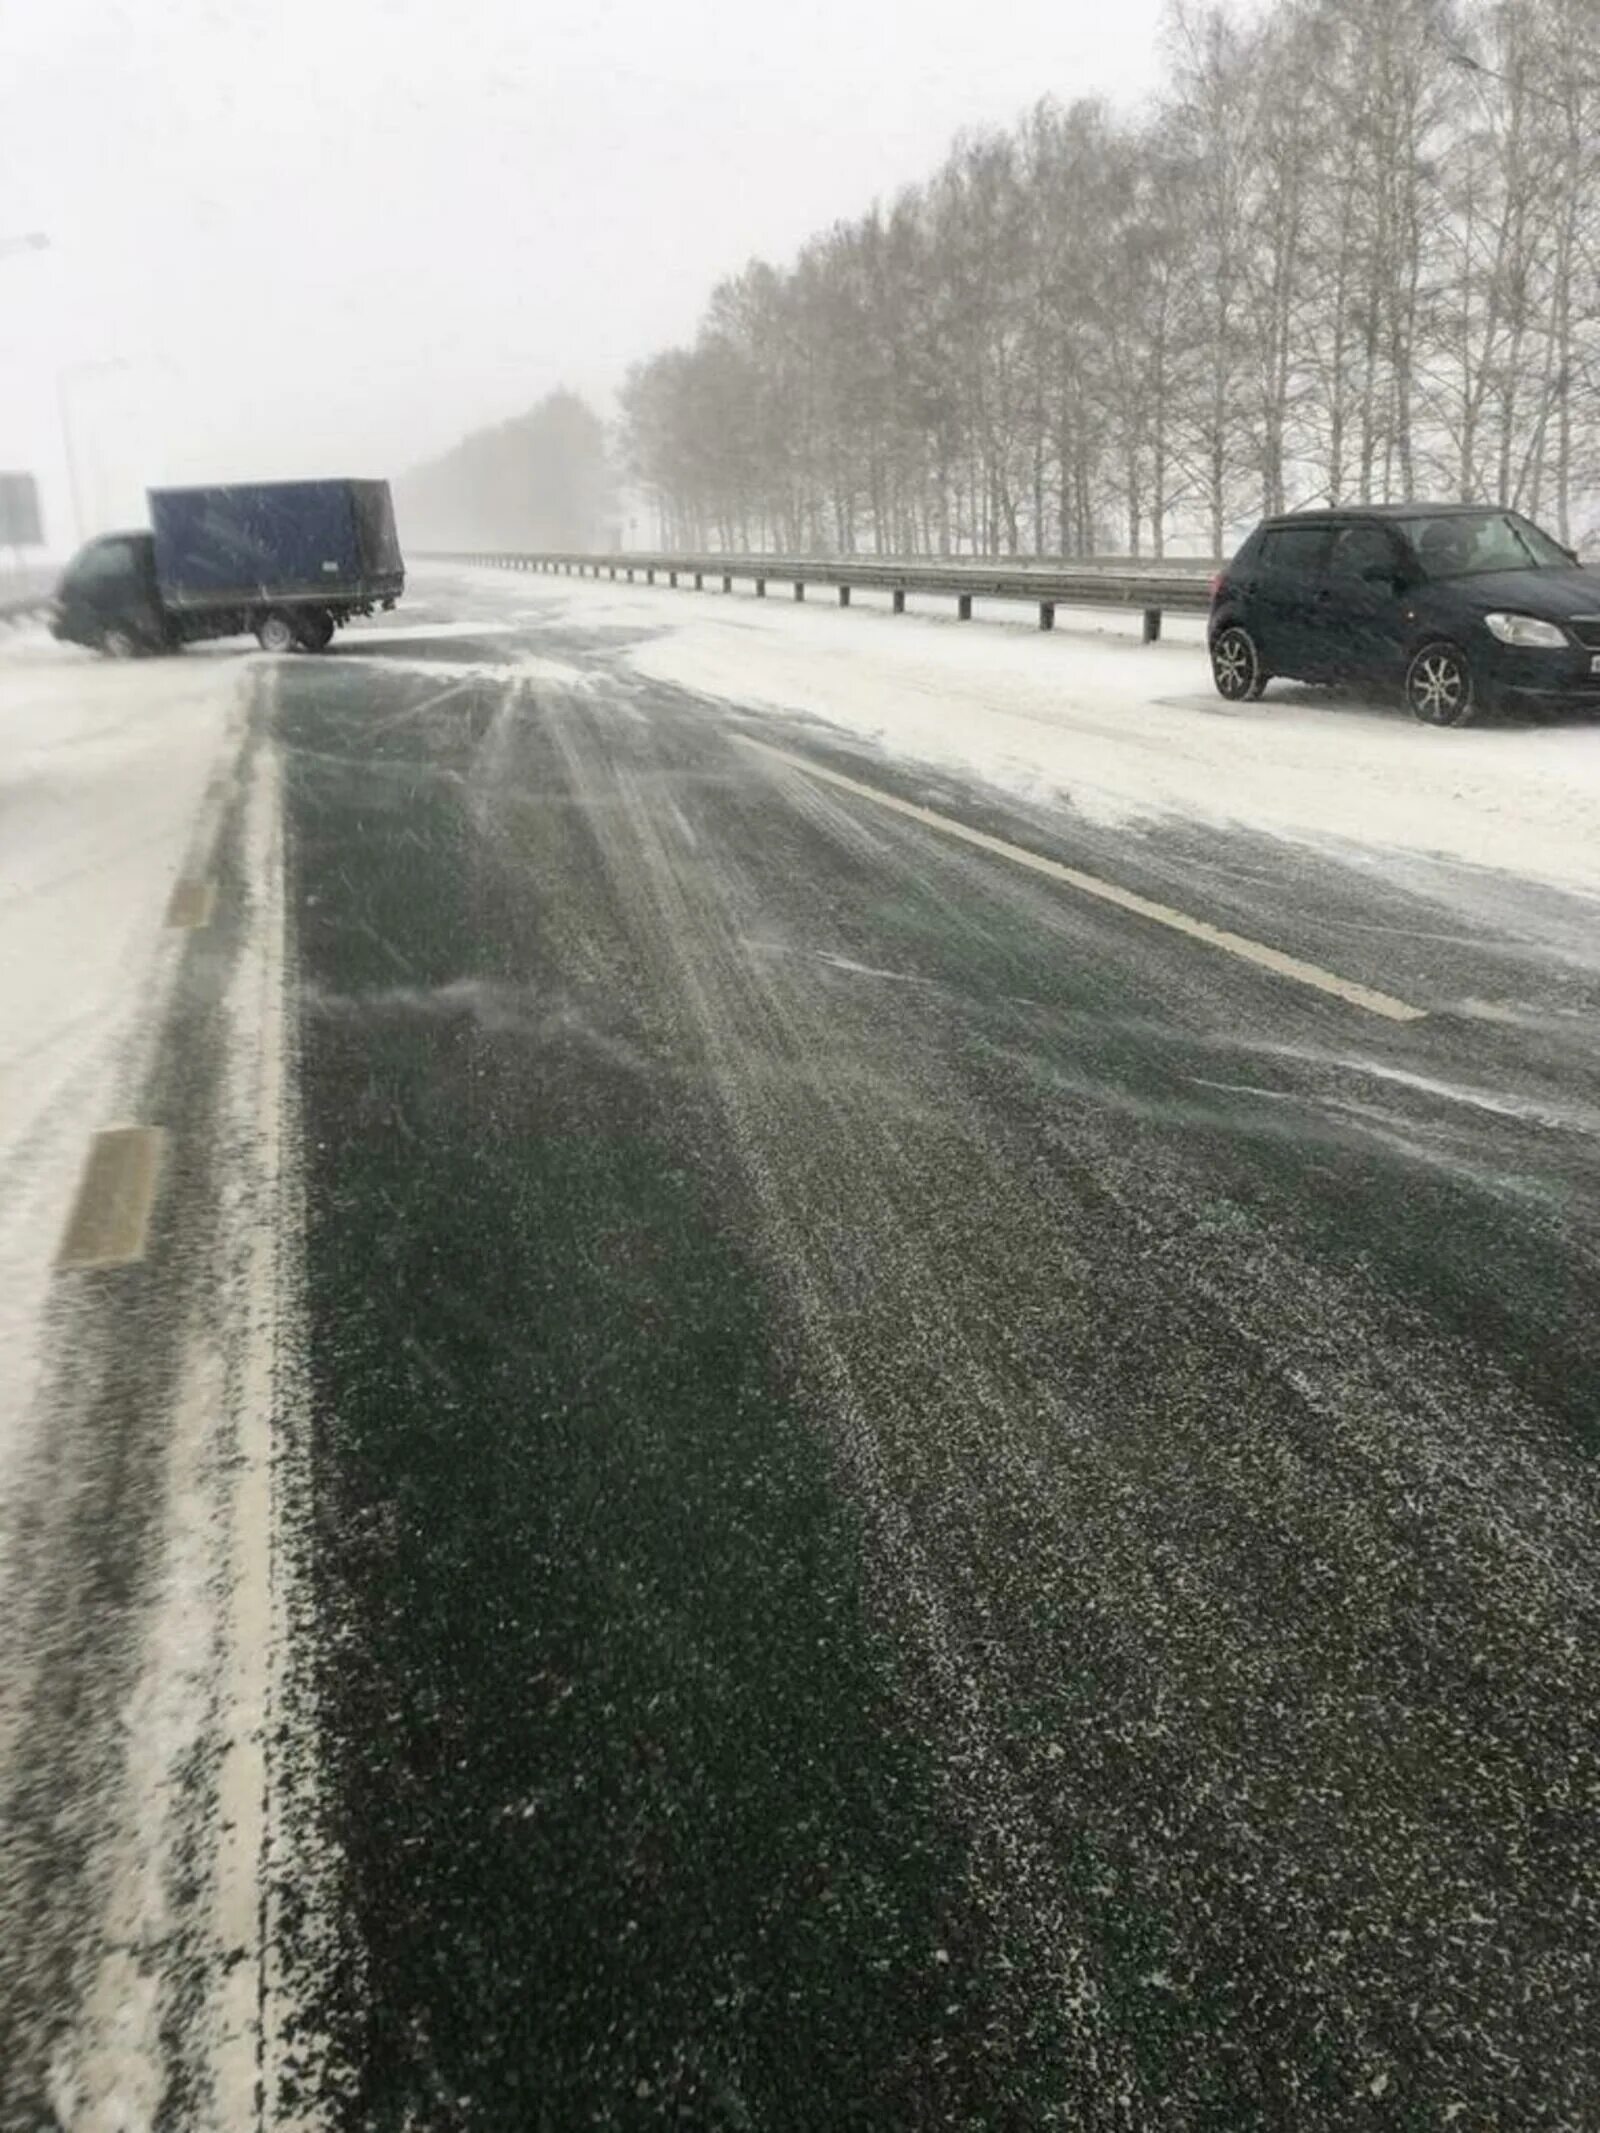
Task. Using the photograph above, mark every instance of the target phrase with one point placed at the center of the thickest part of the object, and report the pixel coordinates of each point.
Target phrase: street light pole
(64, 378)
(73, 489)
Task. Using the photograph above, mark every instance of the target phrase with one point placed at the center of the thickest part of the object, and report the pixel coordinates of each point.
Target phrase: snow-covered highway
(861, 1390)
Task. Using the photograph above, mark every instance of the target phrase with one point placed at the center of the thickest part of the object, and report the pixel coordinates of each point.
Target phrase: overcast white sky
(329, 236)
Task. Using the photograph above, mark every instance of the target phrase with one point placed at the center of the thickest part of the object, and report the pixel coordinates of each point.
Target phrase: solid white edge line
(239, 2077)
(1198, 929)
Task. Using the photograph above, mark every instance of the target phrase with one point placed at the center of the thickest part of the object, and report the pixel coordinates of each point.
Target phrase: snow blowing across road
(1127, 732)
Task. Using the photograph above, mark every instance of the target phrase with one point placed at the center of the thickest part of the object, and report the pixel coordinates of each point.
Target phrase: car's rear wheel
(1236, 665)
(316, 630)
(1441, 689)
(275, 632)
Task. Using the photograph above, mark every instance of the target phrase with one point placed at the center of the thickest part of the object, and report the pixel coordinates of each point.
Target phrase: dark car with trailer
(288, 560)
(1464, 607)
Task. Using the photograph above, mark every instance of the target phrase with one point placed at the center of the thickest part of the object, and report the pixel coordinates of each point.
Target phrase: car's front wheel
(1236, 665)
(1441, 689)
(276, 632)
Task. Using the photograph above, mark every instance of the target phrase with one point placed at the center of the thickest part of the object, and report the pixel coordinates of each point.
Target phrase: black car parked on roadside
(1463, 606)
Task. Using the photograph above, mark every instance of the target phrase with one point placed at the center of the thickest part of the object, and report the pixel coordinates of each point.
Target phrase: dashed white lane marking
(191, 905)
(1197, 929)
(110, 1218)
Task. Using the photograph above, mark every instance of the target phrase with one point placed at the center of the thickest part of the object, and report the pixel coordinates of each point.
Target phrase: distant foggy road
(934, 1457)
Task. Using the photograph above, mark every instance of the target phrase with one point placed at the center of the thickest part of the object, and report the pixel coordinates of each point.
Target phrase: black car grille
(1586, 628)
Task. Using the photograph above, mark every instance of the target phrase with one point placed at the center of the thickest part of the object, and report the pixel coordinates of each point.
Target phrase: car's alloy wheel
(276, 633)
(1439, 686)
(1236, 666)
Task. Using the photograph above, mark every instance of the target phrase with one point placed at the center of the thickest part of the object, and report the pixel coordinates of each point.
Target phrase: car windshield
(1461, 544)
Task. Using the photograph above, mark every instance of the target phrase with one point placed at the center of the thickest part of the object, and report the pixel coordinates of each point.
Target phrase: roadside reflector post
(799, 588)
(699, 581)
(649, 577)
(1047, 614)
(899, 599)
(1152, 624)
(963, 607)
(672, 579)
(727, 582)
(844, 596)
(630, 576)
(761, 588)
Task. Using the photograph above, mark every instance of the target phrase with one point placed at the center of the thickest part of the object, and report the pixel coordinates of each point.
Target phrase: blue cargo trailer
(290, 560)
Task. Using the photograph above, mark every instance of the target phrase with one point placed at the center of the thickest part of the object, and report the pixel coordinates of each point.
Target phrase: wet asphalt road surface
(926, 1505)
(932, 1507)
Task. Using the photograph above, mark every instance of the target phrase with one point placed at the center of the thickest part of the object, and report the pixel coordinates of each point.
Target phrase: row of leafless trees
(1354, 254)
(541, 480)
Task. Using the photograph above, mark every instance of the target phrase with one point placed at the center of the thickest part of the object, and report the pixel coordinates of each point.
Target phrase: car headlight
(1526, 629)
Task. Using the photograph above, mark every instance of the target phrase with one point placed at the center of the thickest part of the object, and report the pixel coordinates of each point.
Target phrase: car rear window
(1298, 549)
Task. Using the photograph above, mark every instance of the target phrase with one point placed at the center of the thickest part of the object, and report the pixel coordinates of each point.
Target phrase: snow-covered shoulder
(1123, 731)
(103, 769)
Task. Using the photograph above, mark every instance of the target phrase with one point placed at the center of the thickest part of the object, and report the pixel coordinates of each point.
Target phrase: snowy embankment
(103, 769)
(1122, 731)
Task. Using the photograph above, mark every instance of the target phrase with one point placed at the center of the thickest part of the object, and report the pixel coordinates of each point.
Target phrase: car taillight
(1219, 581)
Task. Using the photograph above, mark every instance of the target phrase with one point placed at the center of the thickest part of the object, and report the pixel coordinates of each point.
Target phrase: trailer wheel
(276, 632)
(316, 630)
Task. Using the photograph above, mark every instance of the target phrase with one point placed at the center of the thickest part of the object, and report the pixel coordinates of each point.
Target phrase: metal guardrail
(1182, 589)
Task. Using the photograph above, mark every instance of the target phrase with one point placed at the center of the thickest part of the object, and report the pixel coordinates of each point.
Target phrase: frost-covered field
(1124, 731)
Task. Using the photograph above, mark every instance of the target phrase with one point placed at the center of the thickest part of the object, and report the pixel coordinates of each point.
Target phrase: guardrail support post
(899, 599)
(727, 583)
(699, 581)
(963, 607)
(844, 596)
(761, 588)
(1152, 624)
(1047, 614)
(649, 577)
(672, 579)
(799, 588)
